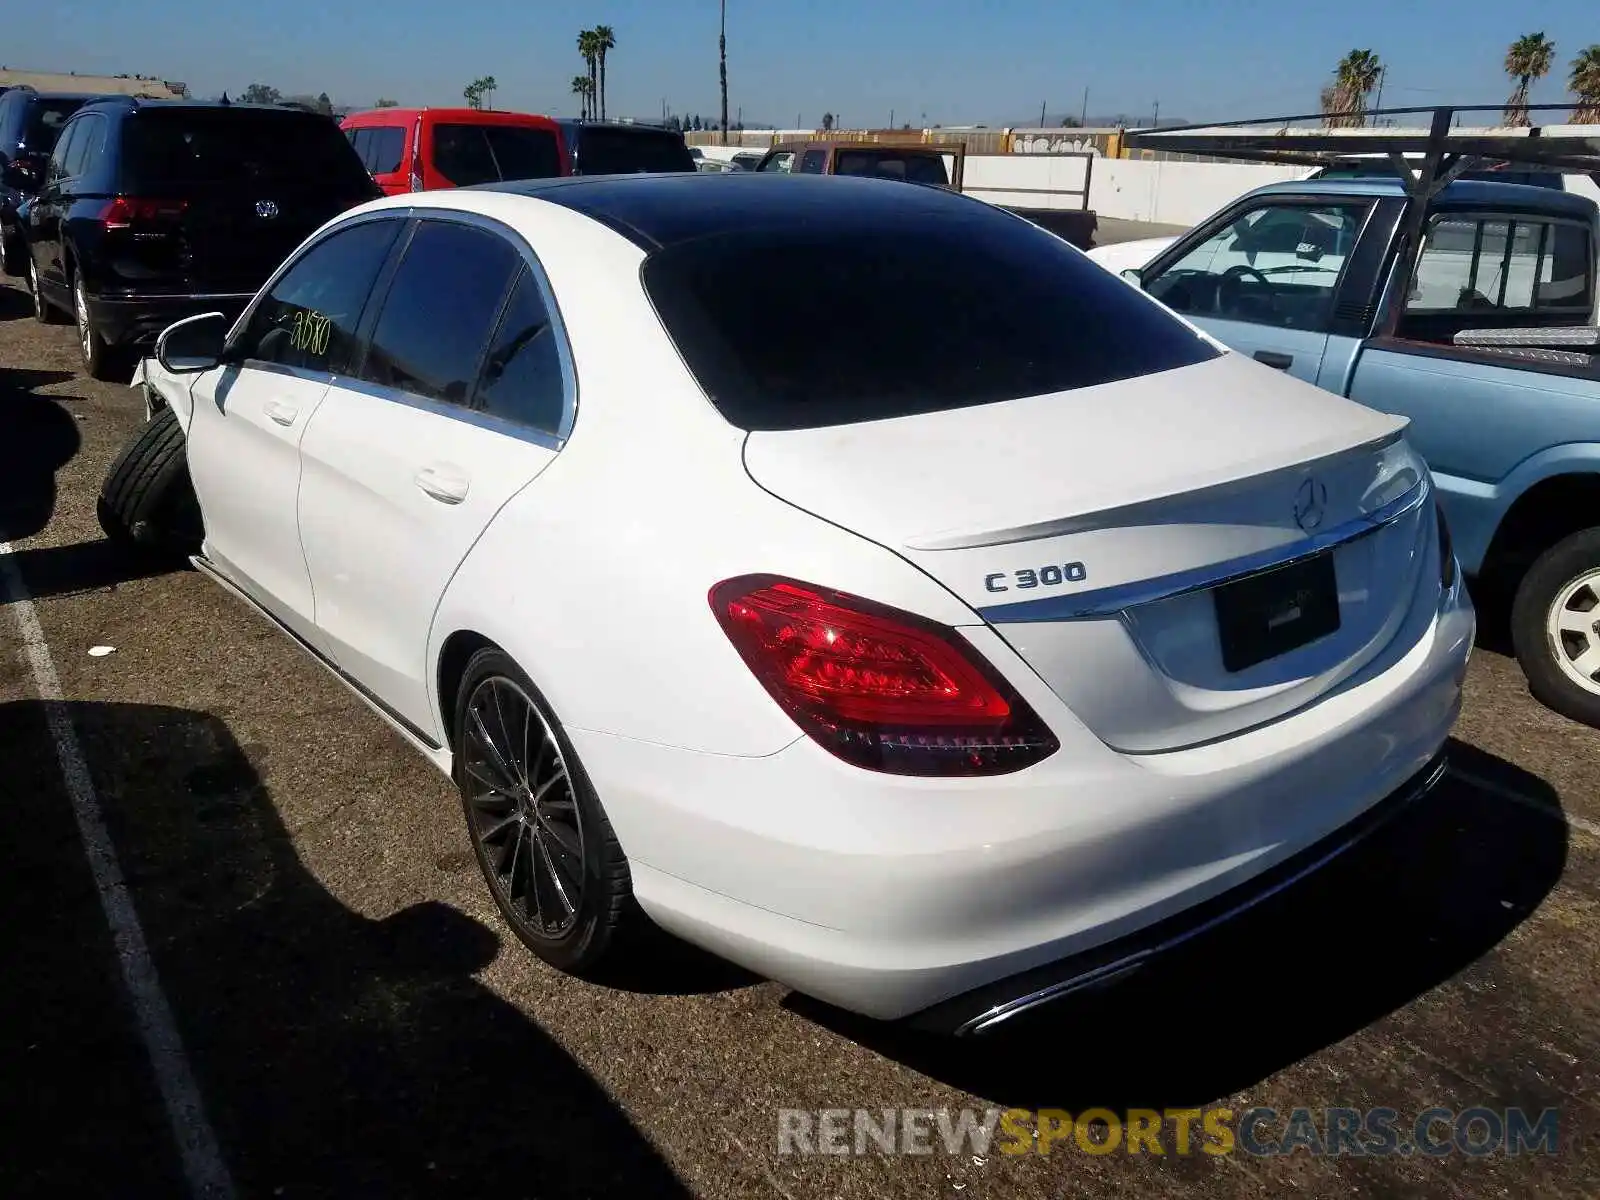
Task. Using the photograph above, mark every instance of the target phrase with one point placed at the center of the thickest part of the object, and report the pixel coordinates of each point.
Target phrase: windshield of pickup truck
(931, 314)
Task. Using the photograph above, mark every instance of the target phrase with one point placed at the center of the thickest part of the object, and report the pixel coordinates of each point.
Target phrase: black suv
(155, 210)
(29, 122)
(616, 148)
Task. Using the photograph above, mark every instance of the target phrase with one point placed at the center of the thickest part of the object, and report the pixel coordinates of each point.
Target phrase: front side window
(522, 380)
(813, 162)
(310, 318)
(783, 161)
(1278, 264)
(1504, 264)
(440, 310)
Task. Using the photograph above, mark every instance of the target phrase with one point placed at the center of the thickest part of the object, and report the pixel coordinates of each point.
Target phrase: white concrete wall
(1172, 193)
(1046, 181)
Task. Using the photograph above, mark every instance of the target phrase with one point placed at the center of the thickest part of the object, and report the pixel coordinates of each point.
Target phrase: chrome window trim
(553, 440)
(1109, 601)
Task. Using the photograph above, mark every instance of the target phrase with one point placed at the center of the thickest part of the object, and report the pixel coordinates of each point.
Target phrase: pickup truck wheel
(543, 841)
(1555, 627)
(147, 501)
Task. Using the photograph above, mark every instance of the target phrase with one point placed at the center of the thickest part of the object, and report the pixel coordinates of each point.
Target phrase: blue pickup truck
(1485, 338)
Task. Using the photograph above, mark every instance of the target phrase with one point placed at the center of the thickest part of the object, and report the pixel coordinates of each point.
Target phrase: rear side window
(440, 311)
(813, 162)
(63, 149)
(461, 154)
(89, 141)
(1504, 264)
(944, 312)
(916, 168)
(309, 319)
(522, 380)
(45, 119)
(604, 151)
(174, 148)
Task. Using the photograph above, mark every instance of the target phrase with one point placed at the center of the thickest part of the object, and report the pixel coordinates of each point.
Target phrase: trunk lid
(1080, 525)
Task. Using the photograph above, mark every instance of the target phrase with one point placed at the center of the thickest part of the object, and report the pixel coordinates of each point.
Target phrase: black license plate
(1265, 615)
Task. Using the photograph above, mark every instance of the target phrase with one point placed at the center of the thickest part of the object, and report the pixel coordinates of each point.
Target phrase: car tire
(533, 815)
(1555, 624)
(101, 360)
(147, 501)
(42, 310)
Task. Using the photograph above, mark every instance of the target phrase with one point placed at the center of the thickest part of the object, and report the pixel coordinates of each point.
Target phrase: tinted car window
(917, 168)
(440, 311)
(461, 154)
(943, 312)
(178, 147)
(384, 149)
(58, 157)
(44, 120)
(812, 162)
(309, 319)
(88, 143)
(607, 151)
(522, 379)
(522, 152)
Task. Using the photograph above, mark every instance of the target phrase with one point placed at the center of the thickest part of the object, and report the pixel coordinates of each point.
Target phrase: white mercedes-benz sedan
(847, 575)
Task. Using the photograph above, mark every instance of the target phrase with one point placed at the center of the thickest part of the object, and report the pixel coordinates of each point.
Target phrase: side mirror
(1134, 276)
(193, 344)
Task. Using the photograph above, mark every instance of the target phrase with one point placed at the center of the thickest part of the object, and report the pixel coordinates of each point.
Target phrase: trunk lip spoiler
(1094, 518)
(1108, 601)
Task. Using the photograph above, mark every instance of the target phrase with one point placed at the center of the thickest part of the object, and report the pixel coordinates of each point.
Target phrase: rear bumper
(135, 320)
(984, 1009)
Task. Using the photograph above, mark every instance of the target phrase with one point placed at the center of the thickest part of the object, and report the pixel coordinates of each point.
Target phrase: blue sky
(957, 62)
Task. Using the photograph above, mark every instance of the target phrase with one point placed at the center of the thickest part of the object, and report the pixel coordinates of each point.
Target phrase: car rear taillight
(125, 212)
(879, 688)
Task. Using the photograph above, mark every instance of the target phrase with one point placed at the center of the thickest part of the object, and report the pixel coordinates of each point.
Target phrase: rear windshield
(603, 151)
(889, 164)
(45, 119)
(889, 321)
(177, 147)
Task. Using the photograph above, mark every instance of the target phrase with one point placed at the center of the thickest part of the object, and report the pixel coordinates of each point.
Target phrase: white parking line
(197, 1143)
(1516, 797)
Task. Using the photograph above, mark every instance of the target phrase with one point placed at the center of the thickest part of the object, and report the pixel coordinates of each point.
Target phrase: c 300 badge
(1052, 575)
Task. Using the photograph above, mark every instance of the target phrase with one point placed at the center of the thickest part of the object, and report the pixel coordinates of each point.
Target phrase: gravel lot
(359, 1024)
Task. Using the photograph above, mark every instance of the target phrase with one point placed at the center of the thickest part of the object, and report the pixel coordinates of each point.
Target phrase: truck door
(1263, 277)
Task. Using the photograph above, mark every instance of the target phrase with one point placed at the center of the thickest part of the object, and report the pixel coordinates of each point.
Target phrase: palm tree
(1344, 102)
(1528, 58)
(590, 50)
(605, 38)
(1584, 83)
(722, 55)
(580, 89)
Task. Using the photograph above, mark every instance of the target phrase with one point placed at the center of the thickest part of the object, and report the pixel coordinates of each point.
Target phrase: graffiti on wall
(1058, 143)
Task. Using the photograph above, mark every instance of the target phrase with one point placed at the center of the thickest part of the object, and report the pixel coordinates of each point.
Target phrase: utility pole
(722, 67)
(1042, 103)
(1382, 71)
(891, 118)
(1156, 119)
(1083, 118)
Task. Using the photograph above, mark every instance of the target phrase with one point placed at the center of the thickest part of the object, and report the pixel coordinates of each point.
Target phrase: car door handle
(283, 414)
(445, 486)
(1274, 358)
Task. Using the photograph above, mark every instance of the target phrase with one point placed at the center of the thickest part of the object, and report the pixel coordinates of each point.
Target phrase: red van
(418, 149)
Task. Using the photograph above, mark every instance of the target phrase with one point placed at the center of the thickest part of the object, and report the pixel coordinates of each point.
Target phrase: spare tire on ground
(147, 500)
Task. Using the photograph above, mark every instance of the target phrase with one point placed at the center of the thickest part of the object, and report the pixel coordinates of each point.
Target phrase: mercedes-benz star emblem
(266, 209)
(1310, 504)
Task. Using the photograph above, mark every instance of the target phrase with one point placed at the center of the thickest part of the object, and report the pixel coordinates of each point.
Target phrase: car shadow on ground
(87, 567)
(15, 304)
(39, 438)
(1395, 917)
(338, 1055)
